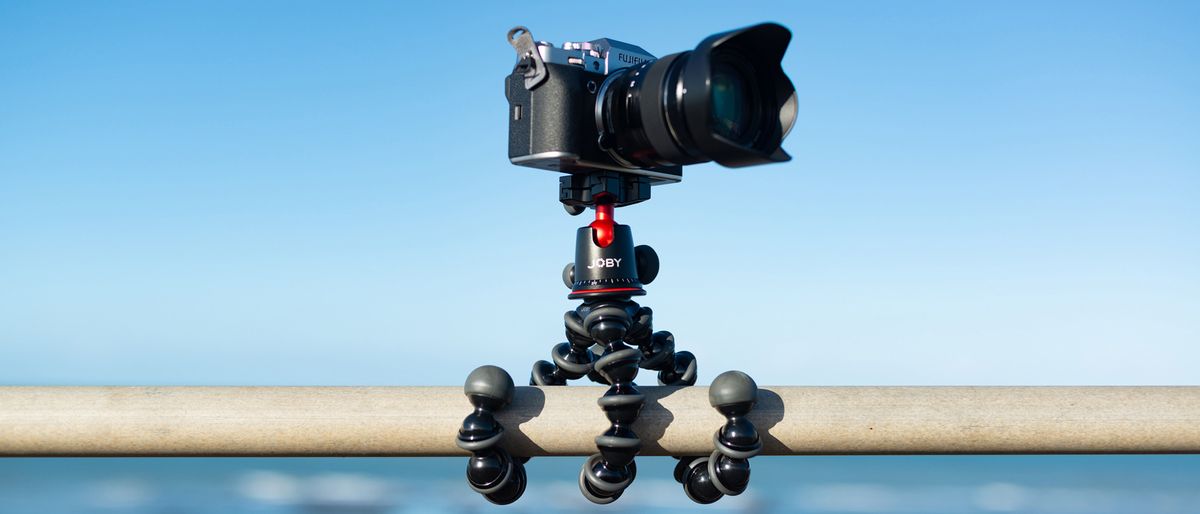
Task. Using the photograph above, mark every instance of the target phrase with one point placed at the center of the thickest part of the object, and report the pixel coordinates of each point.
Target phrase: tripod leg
(491, 471)
(606, 474)
(674, 369)
(658, 351)
(571, 360)
(727, 471)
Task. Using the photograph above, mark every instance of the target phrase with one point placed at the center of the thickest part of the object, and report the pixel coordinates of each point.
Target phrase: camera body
(617, 120)
(553, 125)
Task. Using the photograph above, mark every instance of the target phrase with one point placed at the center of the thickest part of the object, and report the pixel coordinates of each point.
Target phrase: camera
(603, 106)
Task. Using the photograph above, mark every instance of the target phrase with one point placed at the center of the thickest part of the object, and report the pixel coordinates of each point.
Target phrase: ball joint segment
(726, 472)
(491, 471)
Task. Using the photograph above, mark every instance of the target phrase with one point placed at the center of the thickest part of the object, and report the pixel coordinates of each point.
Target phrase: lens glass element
(731, 102)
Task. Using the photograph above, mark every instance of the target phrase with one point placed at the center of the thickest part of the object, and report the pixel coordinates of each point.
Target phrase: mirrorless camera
(605, 106)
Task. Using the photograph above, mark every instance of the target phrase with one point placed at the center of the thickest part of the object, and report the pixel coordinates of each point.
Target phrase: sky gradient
(319, 193)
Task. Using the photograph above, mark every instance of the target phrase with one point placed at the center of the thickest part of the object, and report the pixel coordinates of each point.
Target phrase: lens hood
(756, 52)
(727, 100)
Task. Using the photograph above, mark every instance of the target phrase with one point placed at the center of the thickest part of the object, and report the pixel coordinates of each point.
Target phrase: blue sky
(318, 193)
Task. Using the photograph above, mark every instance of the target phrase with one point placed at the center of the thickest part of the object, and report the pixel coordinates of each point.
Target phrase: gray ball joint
(491, 471)
(726, 472)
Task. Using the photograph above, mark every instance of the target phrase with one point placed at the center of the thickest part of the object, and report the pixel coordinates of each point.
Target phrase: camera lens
(731, 102)
(727, 101)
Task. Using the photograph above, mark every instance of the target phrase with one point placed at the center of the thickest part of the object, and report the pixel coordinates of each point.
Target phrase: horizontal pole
(423, 421)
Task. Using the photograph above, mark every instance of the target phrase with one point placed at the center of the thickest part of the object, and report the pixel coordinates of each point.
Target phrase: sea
(1134, 484)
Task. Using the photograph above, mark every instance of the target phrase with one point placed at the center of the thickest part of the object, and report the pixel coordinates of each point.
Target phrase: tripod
(609, 337)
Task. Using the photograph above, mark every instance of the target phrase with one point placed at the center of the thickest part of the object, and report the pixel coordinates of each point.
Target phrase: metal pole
(422, 421)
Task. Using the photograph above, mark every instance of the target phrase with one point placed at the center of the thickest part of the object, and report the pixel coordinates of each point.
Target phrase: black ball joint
(491, 471)
(727, 471)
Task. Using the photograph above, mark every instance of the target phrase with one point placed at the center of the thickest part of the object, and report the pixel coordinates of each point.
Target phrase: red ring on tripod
(610, 290)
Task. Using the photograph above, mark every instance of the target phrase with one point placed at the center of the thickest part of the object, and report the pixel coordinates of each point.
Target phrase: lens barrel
(727, 100)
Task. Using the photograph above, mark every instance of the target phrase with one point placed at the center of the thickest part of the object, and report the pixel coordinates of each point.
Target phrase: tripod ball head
(605, 270)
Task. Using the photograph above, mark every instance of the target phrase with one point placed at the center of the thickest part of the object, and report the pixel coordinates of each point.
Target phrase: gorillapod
(609, 337)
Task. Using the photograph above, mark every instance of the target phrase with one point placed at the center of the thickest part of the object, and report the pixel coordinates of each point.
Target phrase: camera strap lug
(530, 59)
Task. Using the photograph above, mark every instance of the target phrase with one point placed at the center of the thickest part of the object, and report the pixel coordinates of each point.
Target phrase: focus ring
(652, 111)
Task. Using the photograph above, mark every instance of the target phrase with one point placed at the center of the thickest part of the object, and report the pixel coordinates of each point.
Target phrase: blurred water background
(1076, 484)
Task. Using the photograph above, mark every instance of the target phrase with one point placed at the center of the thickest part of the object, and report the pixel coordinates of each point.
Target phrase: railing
(423, 421)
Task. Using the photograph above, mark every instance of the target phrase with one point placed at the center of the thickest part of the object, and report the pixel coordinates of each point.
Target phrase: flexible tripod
(609, 337)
